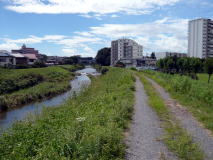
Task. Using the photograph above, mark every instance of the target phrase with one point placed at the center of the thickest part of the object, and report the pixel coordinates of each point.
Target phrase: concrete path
(143, 139)
(200, 135)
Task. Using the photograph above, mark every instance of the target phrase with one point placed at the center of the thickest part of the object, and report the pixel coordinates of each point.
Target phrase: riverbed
(82, 81)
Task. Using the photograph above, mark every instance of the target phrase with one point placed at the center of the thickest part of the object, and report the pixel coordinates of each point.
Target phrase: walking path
(200, 135)
(145, 133)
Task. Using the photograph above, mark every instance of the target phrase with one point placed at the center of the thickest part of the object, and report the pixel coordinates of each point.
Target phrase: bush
(104, 70)
(39, 64)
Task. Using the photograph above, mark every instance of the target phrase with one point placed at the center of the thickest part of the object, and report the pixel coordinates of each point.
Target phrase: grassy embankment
(22, 86)
(196, 95)
(175, 137)
(89, 126)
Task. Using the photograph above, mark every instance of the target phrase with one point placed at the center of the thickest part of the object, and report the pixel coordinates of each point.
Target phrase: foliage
(103, 57)
(183, 65)
(72, 60)
(176, 138)
(153, 55)
(196, 95)
(89, 126)
(104, 70)
(209, 67)
(39, 64)
(16, 82)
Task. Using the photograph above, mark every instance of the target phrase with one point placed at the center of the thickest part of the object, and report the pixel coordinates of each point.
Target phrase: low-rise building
(6, 59)
(20, 59)
(26, 50)
(31, 58)
(161, 55)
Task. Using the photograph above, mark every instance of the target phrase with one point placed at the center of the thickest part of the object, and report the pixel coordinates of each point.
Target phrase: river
(8, 118)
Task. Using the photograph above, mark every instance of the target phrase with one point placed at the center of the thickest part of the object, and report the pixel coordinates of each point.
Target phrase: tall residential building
(126, 51)
(200, 38)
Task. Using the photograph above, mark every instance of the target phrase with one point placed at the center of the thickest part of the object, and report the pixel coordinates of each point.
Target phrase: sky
(82, 27)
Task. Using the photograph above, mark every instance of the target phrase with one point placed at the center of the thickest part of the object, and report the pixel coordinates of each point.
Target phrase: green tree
(209, 67)
(103, 57)
(153, 55)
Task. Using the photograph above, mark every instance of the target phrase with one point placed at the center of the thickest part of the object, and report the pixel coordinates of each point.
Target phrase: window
(2, 59)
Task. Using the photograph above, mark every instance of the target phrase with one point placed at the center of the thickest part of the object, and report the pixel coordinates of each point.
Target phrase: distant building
(200, 38)
(161, 55)
(25, 50)
(31, 58)
(126, 51)
(54, 60)
(6, 59)
(20, 59)
(86, 60)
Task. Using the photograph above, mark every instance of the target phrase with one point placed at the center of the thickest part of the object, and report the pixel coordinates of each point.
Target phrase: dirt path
(200, 135)
(143, 139)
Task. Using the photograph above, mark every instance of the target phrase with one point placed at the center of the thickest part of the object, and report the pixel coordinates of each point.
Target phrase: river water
(77, 85)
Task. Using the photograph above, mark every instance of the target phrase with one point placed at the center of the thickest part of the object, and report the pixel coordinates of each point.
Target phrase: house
(20, 59)
(31, 58)
(26, 50)
(6, 59)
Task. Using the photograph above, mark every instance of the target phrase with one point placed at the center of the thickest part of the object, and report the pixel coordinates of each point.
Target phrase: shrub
(104, 70)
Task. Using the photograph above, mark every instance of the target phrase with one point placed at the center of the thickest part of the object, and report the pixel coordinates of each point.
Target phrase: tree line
(186, 66)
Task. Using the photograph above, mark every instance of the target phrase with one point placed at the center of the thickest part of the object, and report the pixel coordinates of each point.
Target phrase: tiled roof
(4, 53)
(17, 55)
(31, 56)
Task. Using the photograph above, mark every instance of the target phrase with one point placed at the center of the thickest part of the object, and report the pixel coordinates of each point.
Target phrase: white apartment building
(200, 38)
(126, 51)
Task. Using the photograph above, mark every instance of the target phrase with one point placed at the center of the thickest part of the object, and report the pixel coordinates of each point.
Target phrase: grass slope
(175, 137)
(21, 86)
(196, 95)
(89, 126)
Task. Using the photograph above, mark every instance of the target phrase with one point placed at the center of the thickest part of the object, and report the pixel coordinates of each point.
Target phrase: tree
(153, 55)
(72, 60)
(160, 64)
(196, 65)
(103, 56)
(209, 67)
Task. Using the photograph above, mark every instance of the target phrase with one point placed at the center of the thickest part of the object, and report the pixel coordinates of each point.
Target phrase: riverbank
(89, 126)
(22, 86)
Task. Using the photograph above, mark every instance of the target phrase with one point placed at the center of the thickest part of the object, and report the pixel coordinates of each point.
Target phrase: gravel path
(143, 139)
(200, 135)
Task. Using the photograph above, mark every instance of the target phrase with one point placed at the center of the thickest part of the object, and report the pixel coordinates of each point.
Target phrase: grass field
(21, 86)
(89, 126)
(196, 95)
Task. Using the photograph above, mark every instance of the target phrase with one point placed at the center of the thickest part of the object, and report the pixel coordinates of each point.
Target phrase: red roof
(30, 56)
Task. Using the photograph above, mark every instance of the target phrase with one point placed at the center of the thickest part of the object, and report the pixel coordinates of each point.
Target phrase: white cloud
(87, 7)
(34, 39)
(161, 35)
(8, 46)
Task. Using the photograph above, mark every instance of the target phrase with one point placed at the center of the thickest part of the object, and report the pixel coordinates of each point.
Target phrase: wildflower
(81, 119)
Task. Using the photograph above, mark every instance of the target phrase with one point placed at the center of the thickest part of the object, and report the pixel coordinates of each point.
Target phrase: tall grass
(89, 126)
(21, 86)
(197, 95)
(176, 138)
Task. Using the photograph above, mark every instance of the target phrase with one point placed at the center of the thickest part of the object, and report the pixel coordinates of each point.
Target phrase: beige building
(126, 51)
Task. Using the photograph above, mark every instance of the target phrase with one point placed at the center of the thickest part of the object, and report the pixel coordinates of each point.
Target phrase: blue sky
(81, 27)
